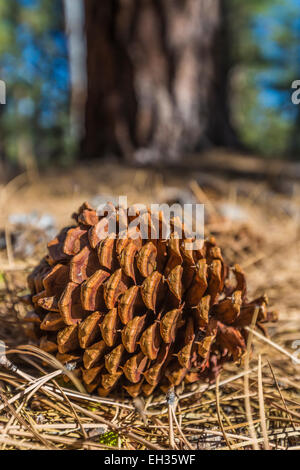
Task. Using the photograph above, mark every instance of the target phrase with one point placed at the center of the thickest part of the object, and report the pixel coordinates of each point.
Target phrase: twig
(219, 413)
(21, 444)
(262, 406)
(280, 394)
(171, 429)
(23, 422)
(204, 388)
(274, 345)
(203, 198)
(80, 424)
(181, 432)
(246, 385)
(9, 250)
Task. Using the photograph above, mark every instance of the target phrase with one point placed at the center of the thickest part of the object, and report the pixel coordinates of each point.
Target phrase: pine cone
(136, 313)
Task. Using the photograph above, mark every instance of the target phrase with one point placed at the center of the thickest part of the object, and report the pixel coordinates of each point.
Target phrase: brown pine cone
(138, 313)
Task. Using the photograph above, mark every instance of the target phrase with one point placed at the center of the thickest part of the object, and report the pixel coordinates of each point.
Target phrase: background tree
(74, 19)
(34, 65)
(264, 37)
(157, 78)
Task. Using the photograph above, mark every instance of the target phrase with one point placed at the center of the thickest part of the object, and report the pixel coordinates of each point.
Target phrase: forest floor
(255, 404)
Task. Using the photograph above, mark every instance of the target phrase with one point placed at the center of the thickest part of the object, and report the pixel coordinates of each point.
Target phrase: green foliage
(34, 65)
(265, 48)
(109, 439)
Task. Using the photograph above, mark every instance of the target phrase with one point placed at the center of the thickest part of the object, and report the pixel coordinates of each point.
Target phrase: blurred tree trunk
(74, 20)
(157, 78)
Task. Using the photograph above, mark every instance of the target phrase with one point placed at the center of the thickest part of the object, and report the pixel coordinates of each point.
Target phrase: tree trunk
(74, 20)
(157, 81)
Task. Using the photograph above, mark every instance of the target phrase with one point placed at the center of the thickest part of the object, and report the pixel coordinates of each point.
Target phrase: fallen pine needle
(274, 345)
(262, 406)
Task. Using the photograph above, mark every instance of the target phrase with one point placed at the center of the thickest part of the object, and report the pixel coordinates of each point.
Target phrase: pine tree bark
(157, 79)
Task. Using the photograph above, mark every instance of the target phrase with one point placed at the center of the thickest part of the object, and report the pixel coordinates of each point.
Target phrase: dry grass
(254, 405)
